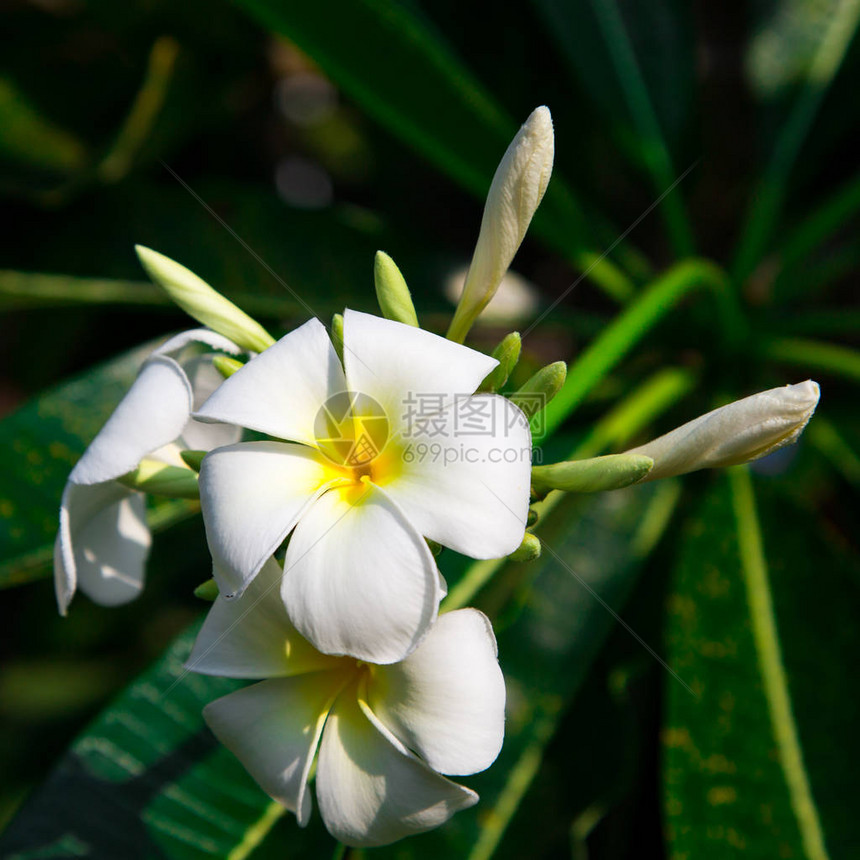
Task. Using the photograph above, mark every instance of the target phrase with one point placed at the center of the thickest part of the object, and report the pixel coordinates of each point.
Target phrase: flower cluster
(323, 524)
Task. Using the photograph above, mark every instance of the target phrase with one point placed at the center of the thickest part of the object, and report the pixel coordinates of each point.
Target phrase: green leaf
(759, 760)
(765, 207)
(147, 779)
(404, 75)
(30, 139)
(633, 323)
(43, 440)
(814, 356)
(595, 37)
(660, 33)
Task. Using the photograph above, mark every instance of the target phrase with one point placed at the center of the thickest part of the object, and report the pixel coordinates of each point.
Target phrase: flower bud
(517, 189)
(507, 353)
(160, 479)
(337, 334)
(594, 475)
(528, 550)
(225, 365)
(393, 296)
(540, 389)
(737, 433)
(207, 591)
(203, 303)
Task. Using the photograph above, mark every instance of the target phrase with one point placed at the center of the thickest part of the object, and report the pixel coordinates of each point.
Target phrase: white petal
(273, 728)
(251, 495)
(102, 544)
(446, 701)
(281, 390)
(403, 367)
(464, 480)
(175, 345)
(151, 415)
(371, 790)
(197, 435)
(358, 578)
(252, 637)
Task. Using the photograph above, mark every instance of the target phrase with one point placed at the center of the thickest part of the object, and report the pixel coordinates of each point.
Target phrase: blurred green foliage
(273, 148)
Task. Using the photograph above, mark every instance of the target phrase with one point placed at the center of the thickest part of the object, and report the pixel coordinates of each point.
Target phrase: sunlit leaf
(147, 779)
(755, 762)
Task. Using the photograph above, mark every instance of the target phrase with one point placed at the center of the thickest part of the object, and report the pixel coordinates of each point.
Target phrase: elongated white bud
(204, 303)
(737, 433)
(517, 189)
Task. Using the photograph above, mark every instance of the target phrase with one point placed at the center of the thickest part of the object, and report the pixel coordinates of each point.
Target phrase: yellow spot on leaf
(720, 795)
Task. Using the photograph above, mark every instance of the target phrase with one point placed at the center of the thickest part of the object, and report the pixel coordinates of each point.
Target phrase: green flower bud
(337, 335)
(225, 365)
(207, 591)
(393, 296)
(507, 353)
(203, 303)
(540, 389)
(528, 550)
(595, 475)
(153, 476)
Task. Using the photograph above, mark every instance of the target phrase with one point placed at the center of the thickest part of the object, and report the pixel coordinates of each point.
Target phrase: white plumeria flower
(103, 539)
(384, 734)
(359, 578)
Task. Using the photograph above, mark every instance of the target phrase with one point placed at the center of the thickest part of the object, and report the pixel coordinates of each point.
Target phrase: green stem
(144, 111)
(763, 213)
(633, 323)
(814, 355)
(656, 154)
(771, 667)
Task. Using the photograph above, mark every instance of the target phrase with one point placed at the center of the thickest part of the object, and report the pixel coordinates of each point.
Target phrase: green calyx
(507, 353)
(611, 472)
